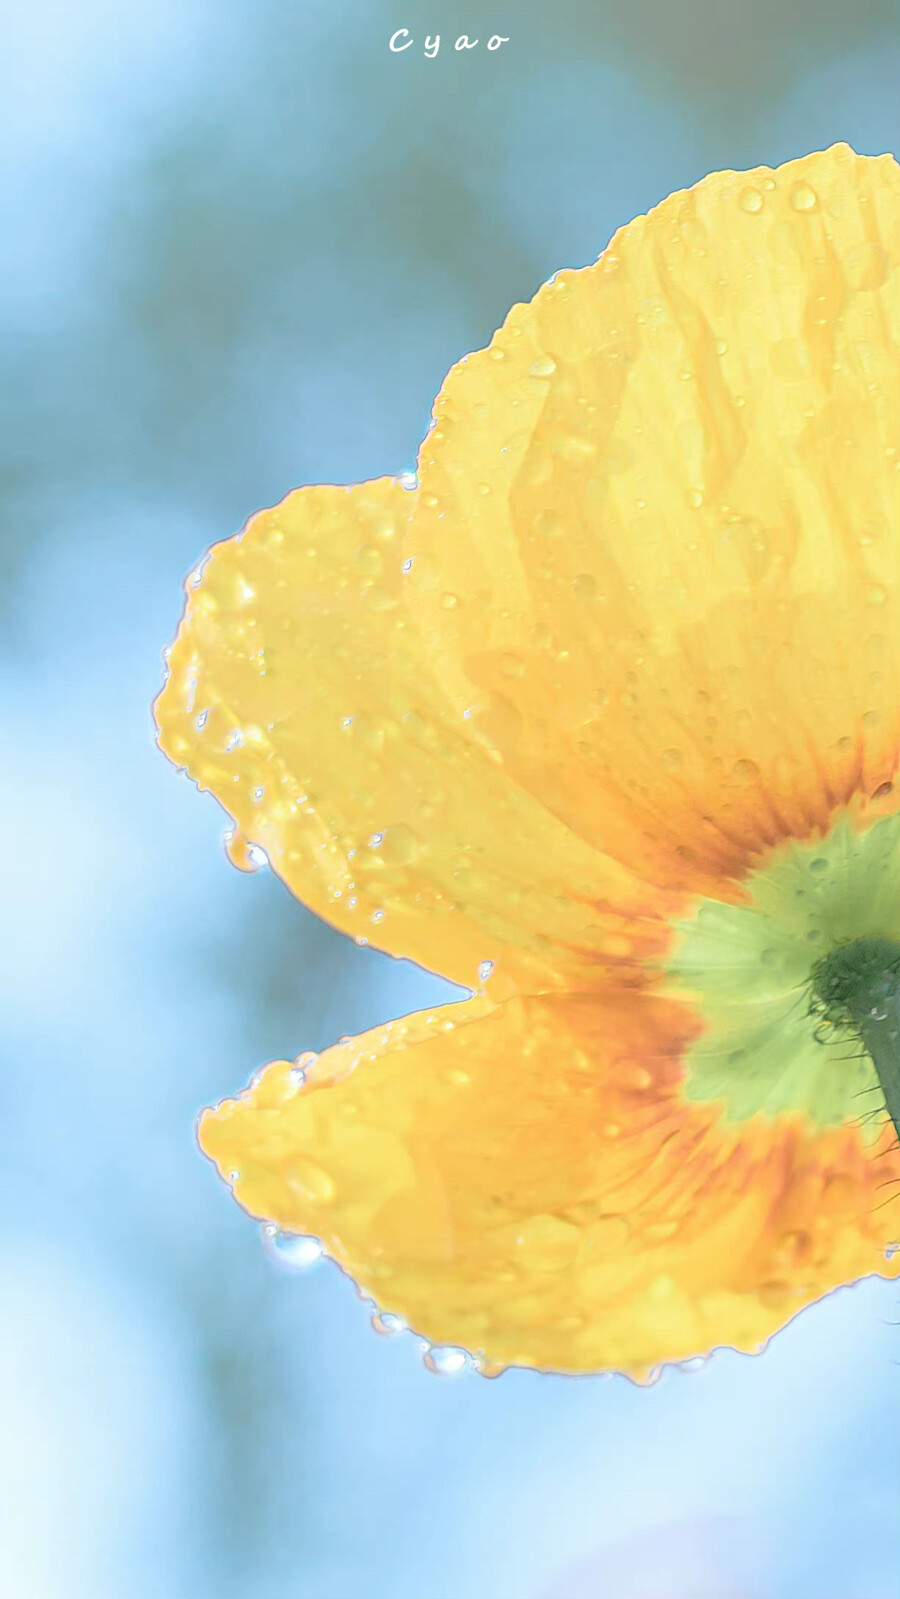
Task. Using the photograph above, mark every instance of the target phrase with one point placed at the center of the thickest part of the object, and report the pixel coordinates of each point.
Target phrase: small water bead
(694, 498)
(310, 1180)
(486, 1367)
(408, 480)
(449, 601)
(512, 665)
(292, 1251)
(585, 586)
(548, 1243)
(369, 560)
(484, 970)
(400, 845)
(891, 1250)
(240, 853)
(548, 524)
(234, 740)
(803, 198)
(445, 1360)
(750, 199)
(543, 367)
(387, 1324)
(201, 721)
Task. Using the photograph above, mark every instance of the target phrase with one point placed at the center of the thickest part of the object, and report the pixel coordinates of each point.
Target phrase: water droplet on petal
(399, 844)
(445, 1360)
(750, 199)
(486, 1367)
(803, 198)
(292, 1251)
(369, 560)
(310, 1180)
(484, 970)
(547, 1242)
(243, 855)
(543, 367)
(388, 1325)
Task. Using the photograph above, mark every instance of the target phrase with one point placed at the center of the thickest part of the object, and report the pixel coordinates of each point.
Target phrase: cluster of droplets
(299, 1252)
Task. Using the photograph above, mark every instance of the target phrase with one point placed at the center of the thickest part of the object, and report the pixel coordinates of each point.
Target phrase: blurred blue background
(240, 247)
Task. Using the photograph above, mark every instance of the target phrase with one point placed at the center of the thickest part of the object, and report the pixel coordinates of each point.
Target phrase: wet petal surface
(527, 1180)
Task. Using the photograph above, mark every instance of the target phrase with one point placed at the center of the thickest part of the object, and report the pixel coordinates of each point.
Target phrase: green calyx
(780, 983)
(856, 988)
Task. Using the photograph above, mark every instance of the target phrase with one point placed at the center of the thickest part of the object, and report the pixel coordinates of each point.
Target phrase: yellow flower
(600, 718)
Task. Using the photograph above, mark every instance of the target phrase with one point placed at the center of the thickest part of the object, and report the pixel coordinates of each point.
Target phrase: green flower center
(798, 988)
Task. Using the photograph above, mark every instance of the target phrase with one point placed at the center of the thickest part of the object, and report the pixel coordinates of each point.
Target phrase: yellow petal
(667, 501)
(302, 695)
(526, 1180)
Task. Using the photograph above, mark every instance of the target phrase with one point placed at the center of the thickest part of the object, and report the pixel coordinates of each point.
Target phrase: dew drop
(803, 198)
(484, 970)
(398, 844)
(750, 199)
(201, 721)
(745, 771)
(444, 1360)
(548, 524)
(543, 367)
(388, 1325)
(486, 1367)
(292, 1251)
(310, 1180)
(369, 560)
(547, 1242)
(512, 665)
(694, 498)
(240, 852)
(449, 601)
(585, 586)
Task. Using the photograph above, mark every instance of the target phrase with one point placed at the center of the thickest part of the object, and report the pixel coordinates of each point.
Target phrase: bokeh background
(241, 245)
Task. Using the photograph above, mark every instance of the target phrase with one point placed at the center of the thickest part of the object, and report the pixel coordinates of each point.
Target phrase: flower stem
(857, 985)
(880, 1033)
